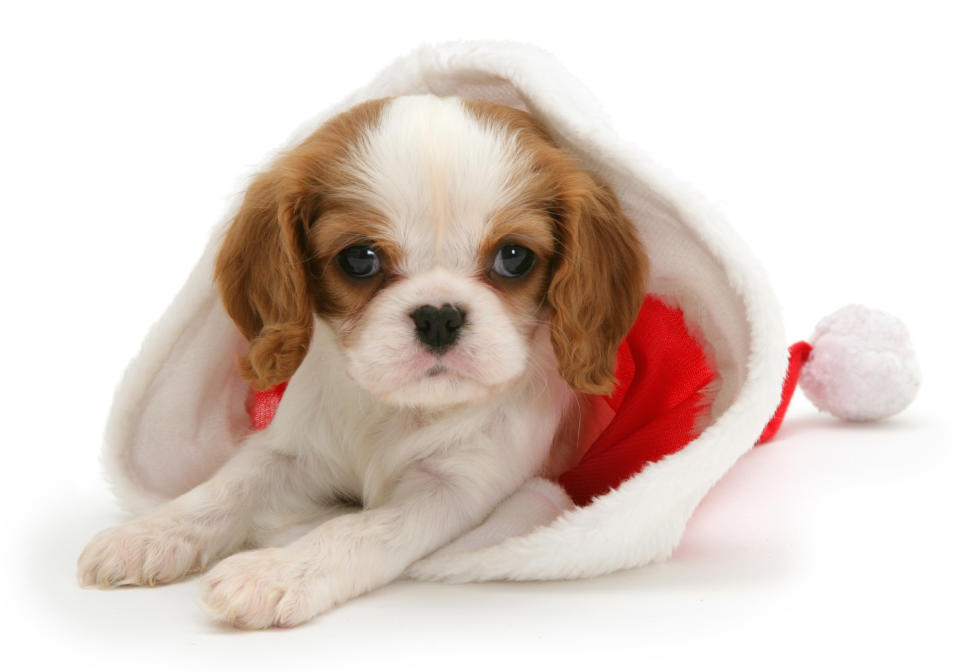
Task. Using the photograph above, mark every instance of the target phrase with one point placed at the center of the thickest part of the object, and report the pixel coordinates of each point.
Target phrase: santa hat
(703, 376)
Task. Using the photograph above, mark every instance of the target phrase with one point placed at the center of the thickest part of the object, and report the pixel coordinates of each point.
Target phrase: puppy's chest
(362, 450)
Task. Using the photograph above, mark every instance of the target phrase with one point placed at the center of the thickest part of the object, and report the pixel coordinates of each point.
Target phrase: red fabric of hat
(663, 376)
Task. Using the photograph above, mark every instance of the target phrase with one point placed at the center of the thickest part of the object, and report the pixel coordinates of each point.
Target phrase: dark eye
(512, 261)
(359, 261)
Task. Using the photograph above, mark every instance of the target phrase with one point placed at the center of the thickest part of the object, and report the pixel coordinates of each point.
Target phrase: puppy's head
(434, 235)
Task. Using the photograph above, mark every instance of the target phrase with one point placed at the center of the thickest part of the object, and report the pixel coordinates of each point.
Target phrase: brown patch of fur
(267, 272)
(598, 268)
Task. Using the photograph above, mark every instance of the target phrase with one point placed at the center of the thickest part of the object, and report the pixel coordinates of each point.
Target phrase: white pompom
(862, 366)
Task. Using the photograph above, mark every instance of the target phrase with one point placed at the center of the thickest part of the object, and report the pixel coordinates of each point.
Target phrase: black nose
(438, 328)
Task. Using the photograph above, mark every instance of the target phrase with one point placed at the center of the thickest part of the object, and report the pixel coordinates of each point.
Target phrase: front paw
(144, 552)
(269, 587)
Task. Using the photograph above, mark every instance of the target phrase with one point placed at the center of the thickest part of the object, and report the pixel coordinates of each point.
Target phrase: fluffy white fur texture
(862, 366)
(178, 413)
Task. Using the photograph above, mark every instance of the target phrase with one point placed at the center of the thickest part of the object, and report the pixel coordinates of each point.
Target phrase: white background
(828, 135)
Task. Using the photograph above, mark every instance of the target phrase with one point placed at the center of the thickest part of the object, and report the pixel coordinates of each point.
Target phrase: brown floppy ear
(262, 282)
(599, 278)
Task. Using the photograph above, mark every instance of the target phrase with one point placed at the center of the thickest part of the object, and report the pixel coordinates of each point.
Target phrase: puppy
(438, 281)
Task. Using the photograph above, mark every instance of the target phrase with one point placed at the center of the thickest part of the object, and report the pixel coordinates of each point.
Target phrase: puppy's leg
(190, 532)
(354, 553)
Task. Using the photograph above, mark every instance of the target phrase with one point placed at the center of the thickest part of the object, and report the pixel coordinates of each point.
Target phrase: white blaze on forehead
(437, 173)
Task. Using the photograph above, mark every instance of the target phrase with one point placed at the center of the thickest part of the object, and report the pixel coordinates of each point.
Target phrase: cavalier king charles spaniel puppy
(439, 283)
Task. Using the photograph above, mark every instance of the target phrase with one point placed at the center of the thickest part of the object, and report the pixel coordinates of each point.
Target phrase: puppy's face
(434, 235)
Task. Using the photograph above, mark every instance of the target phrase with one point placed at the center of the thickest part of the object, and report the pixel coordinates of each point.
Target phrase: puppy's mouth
(452, 364)
(443, 371)
(436, 370)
